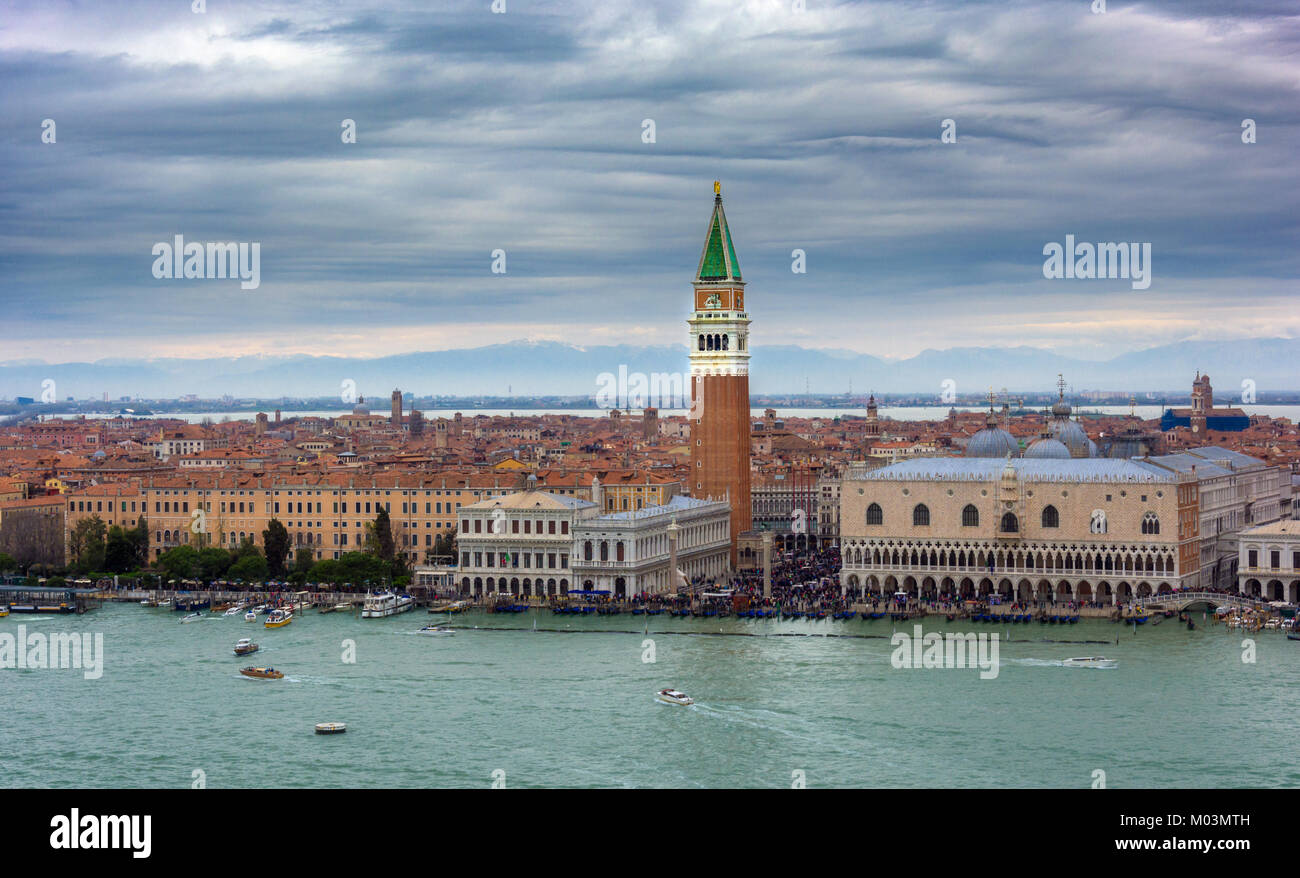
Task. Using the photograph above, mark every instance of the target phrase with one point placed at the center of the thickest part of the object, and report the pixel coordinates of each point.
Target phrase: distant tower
(597, 494)
(397, 408)
(277, 416)
(440, 433)
(417, 423)
(649, 424)
(873, 417)
(719, 346)
(261, 423)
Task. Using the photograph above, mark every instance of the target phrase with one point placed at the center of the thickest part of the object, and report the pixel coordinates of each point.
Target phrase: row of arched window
(715, 342)
(970, 517)
(971, 558)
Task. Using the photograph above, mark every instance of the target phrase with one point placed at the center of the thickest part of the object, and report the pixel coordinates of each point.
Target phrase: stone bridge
(1181, 600)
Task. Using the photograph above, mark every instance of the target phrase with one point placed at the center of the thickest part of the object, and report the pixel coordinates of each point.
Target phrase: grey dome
(1048, 449)
(1072, 435)
(992, 442)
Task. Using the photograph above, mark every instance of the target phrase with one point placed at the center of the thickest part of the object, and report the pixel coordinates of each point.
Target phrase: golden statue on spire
(717, 187)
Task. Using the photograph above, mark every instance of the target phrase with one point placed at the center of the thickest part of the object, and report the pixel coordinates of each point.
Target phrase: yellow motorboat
(278, 619)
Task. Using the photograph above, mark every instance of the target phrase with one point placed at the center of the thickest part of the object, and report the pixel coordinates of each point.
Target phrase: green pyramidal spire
(718, 261)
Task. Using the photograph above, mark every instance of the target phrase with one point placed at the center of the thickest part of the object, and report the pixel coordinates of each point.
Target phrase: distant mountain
(525, 368)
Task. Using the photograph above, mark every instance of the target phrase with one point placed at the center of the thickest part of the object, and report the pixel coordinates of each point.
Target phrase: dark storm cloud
(522, 132)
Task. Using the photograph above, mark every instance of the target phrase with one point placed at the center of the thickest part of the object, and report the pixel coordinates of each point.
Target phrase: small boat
(262, 673)
(1094, 661)
(234, 611)
(331, 728)
(672, 696)
(4, 611)
(245, 647)
(192, 617)
(437, 630)
(278, 619)
(250, 616)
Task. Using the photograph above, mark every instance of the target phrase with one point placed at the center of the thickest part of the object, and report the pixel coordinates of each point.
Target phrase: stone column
(672, 555)
(767, 564)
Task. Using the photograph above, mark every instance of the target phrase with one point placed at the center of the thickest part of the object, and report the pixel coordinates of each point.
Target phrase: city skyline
(526, 132)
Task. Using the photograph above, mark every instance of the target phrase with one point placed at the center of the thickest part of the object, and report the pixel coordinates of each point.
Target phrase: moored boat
(386, 603)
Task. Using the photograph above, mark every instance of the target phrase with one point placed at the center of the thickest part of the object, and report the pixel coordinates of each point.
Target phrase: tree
(179, 563)
(385, 547)
(213, 563)
(119, 551)
(250, 568)
(87, 544)
(139, 537)
(276, 540)
(7, 562)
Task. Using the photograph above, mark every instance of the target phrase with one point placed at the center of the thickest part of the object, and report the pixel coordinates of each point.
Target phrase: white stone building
(627, 553)
(1268, 561)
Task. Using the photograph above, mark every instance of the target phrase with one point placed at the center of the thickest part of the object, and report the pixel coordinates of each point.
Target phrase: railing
(1191, 597)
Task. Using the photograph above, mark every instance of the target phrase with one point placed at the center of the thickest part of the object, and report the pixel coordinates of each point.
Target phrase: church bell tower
(719, 346)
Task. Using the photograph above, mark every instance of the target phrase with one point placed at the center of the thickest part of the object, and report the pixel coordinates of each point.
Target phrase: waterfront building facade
(1268, 561)
(1083, 529)
(520, 543)
(627, 553)
(1236, 491)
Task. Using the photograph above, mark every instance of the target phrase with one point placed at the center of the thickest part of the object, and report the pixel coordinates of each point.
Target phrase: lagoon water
(576, 709)
(898, 413)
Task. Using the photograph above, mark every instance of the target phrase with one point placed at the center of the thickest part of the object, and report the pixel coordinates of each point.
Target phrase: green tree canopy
(250, 568)
(179, 563)
(276, 540)
(87, 544)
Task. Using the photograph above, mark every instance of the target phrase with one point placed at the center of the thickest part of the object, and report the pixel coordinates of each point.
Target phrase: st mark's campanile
(719, 345)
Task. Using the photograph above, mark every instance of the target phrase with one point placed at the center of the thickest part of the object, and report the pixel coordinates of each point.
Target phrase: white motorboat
(672, 696)
(437, 630)
(234, 611)
(192, 617)
(250, 616)
(386, 603)
(1093, 661)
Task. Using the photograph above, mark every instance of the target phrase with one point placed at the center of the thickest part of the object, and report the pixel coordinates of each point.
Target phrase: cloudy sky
(523, 131)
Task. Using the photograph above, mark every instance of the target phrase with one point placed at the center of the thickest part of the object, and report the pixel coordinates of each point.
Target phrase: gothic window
(875, 515)
(920, 515)
(1150, 523)
(1051, 518)
(1010, 524)
(970, 516)
(701, 342)
(725, 341)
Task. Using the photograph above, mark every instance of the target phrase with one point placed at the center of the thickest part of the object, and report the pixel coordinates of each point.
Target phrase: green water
(577, 709)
